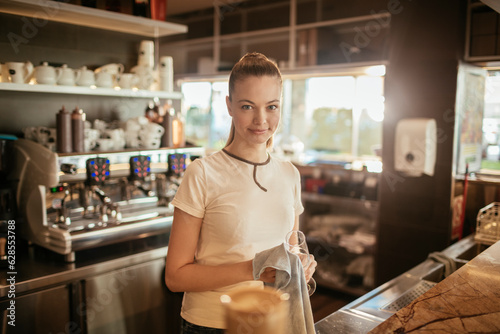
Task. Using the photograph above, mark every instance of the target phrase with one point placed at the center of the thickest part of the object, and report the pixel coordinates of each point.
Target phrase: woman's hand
(268, 276)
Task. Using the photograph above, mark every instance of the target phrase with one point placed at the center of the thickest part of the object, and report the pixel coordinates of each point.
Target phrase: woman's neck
(250, 153)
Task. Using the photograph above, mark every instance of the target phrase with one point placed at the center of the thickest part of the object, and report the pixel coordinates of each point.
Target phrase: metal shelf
(77, 90)
(91, 17)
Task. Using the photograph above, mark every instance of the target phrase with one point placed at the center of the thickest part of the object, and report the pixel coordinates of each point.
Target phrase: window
(491, 123)
(334, 118)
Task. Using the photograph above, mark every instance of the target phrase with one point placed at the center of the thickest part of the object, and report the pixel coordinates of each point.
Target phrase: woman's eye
(246, 107)
(272, 107)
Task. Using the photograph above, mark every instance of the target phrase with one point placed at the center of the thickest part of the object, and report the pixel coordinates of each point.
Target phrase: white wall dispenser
(415, 146)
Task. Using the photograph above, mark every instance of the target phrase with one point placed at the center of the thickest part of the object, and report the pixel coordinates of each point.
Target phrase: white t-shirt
(240, 218)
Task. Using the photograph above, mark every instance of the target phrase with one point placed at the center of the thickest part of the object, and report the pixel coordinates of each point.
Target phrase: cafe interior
(390, 111)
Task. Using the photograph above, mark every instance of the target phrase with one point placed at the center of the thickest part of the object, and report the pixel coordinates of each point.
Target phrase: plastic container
(488, 224)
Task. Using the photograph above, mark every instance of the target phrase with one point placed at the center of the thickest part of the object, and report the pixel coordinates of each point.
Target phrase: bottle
(77, 129)
(178, 136)
(168, 117)
(141, 8)
(64, 138)
(158, 9)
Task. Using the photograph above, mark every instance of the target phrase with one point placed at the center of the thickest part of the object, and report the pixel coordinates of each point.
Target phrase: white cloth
(290, 278)
(239, 218)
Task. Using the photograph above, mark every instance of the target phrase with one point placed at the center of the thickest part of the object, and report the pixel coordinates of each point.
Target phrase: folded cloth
(290, 279)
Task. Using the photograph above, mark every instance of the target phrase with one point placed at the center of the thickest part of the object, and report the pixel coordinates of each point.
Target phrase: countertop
(468, 301)
(38, 268)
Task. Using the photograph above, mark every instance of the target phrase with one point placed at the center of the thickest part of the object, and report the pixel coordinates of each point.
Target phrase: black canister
(64, 138)
(77, 130)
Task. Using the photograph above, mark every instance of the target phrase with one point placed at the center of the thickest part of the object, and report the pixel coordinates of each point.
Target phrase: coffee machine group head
(76, 201)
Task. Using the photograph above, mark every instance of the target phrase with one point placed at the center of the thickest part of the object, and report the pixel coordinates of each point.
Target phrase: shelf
(91, 17)
(76, 90)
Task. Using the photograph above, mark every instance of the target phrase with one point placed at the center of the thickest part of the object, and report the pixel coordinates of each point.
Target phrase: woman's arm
(183, 274)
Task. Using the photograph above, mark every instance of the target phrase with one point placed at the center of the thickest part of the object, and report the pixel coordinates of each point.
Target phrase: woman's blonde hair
(252, 64)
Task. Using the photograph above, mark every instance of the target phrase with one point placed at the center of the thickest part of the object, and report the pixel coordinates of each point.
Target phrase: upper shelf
(99, 91)
(91, 17)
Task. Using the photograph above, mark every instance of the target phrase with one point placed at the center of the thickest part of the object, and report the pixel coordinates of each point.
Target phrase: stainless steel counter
(39, 268)
(373, 308)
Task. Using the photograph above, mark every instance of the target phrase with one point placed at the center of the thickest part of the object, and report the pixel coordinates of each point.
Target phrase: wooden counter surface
(468, 301)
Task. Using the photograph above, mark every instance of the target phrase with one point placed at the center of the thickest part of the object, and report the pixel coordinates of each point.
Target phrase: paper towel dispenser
(415, 146)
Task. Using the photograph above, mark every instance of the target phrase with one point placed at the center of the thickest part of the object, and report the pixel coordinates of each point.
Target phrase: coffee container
(167, 123)
(64, 138)
(77, 130)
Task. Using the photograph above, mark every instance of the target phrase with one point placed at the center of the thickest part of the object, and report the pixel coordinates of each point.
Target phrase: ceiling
(175, 7)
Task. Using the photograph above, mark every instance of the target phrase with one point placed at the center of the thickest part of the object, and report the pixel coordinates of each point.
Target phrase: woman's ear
(228, 104)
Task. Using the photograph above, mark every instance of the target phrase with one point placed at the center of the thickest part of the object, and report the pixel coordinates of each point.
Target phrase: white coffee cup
(127, 80)
(145, 76)
(105, 144)
(85, 77)
(131, 139)
(118, 138)
(149, 142)
(114, 69)
(153, 129)
(146, 54)
(45, 74)
(19, 72)
(104, 79)
(66, 76)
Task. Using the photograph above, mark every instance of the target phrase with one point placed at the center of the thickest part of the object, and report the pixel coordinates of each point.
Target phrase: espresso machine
(77, 201)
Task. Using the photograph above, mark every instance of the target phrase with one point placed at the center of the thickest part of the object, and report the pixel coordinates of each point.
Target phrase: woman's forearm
(196, 277)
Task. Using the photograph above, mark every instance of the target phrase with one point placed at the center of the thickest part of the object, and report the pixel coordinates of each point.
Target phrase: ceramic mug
(104, 79)
(145, 76)
(152, 130)
(127, 80)
(66, 76)
(45, 74)
(105, 144)
(114, 69)
(85, 77)
(19, 72)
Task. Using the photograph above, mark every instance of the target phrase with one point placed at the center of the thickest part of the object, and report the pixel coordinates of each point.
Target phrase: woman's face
(255, 108)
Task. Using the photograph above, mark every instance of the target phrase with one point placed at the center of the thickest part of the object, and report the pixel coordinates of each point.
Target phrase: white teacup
(149, 142)
(19, 72)
(104, 79)
(114, 69)
(118, 138)
(145, 76)
(85, 77)
(105, 144)
(45, 74)
(153, 130)
(131, 139)
(127, 80)
(66, 76)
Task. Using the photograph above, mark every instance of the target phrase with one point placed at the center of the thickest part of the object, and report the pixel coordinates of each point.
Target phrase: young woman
(234, 203)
